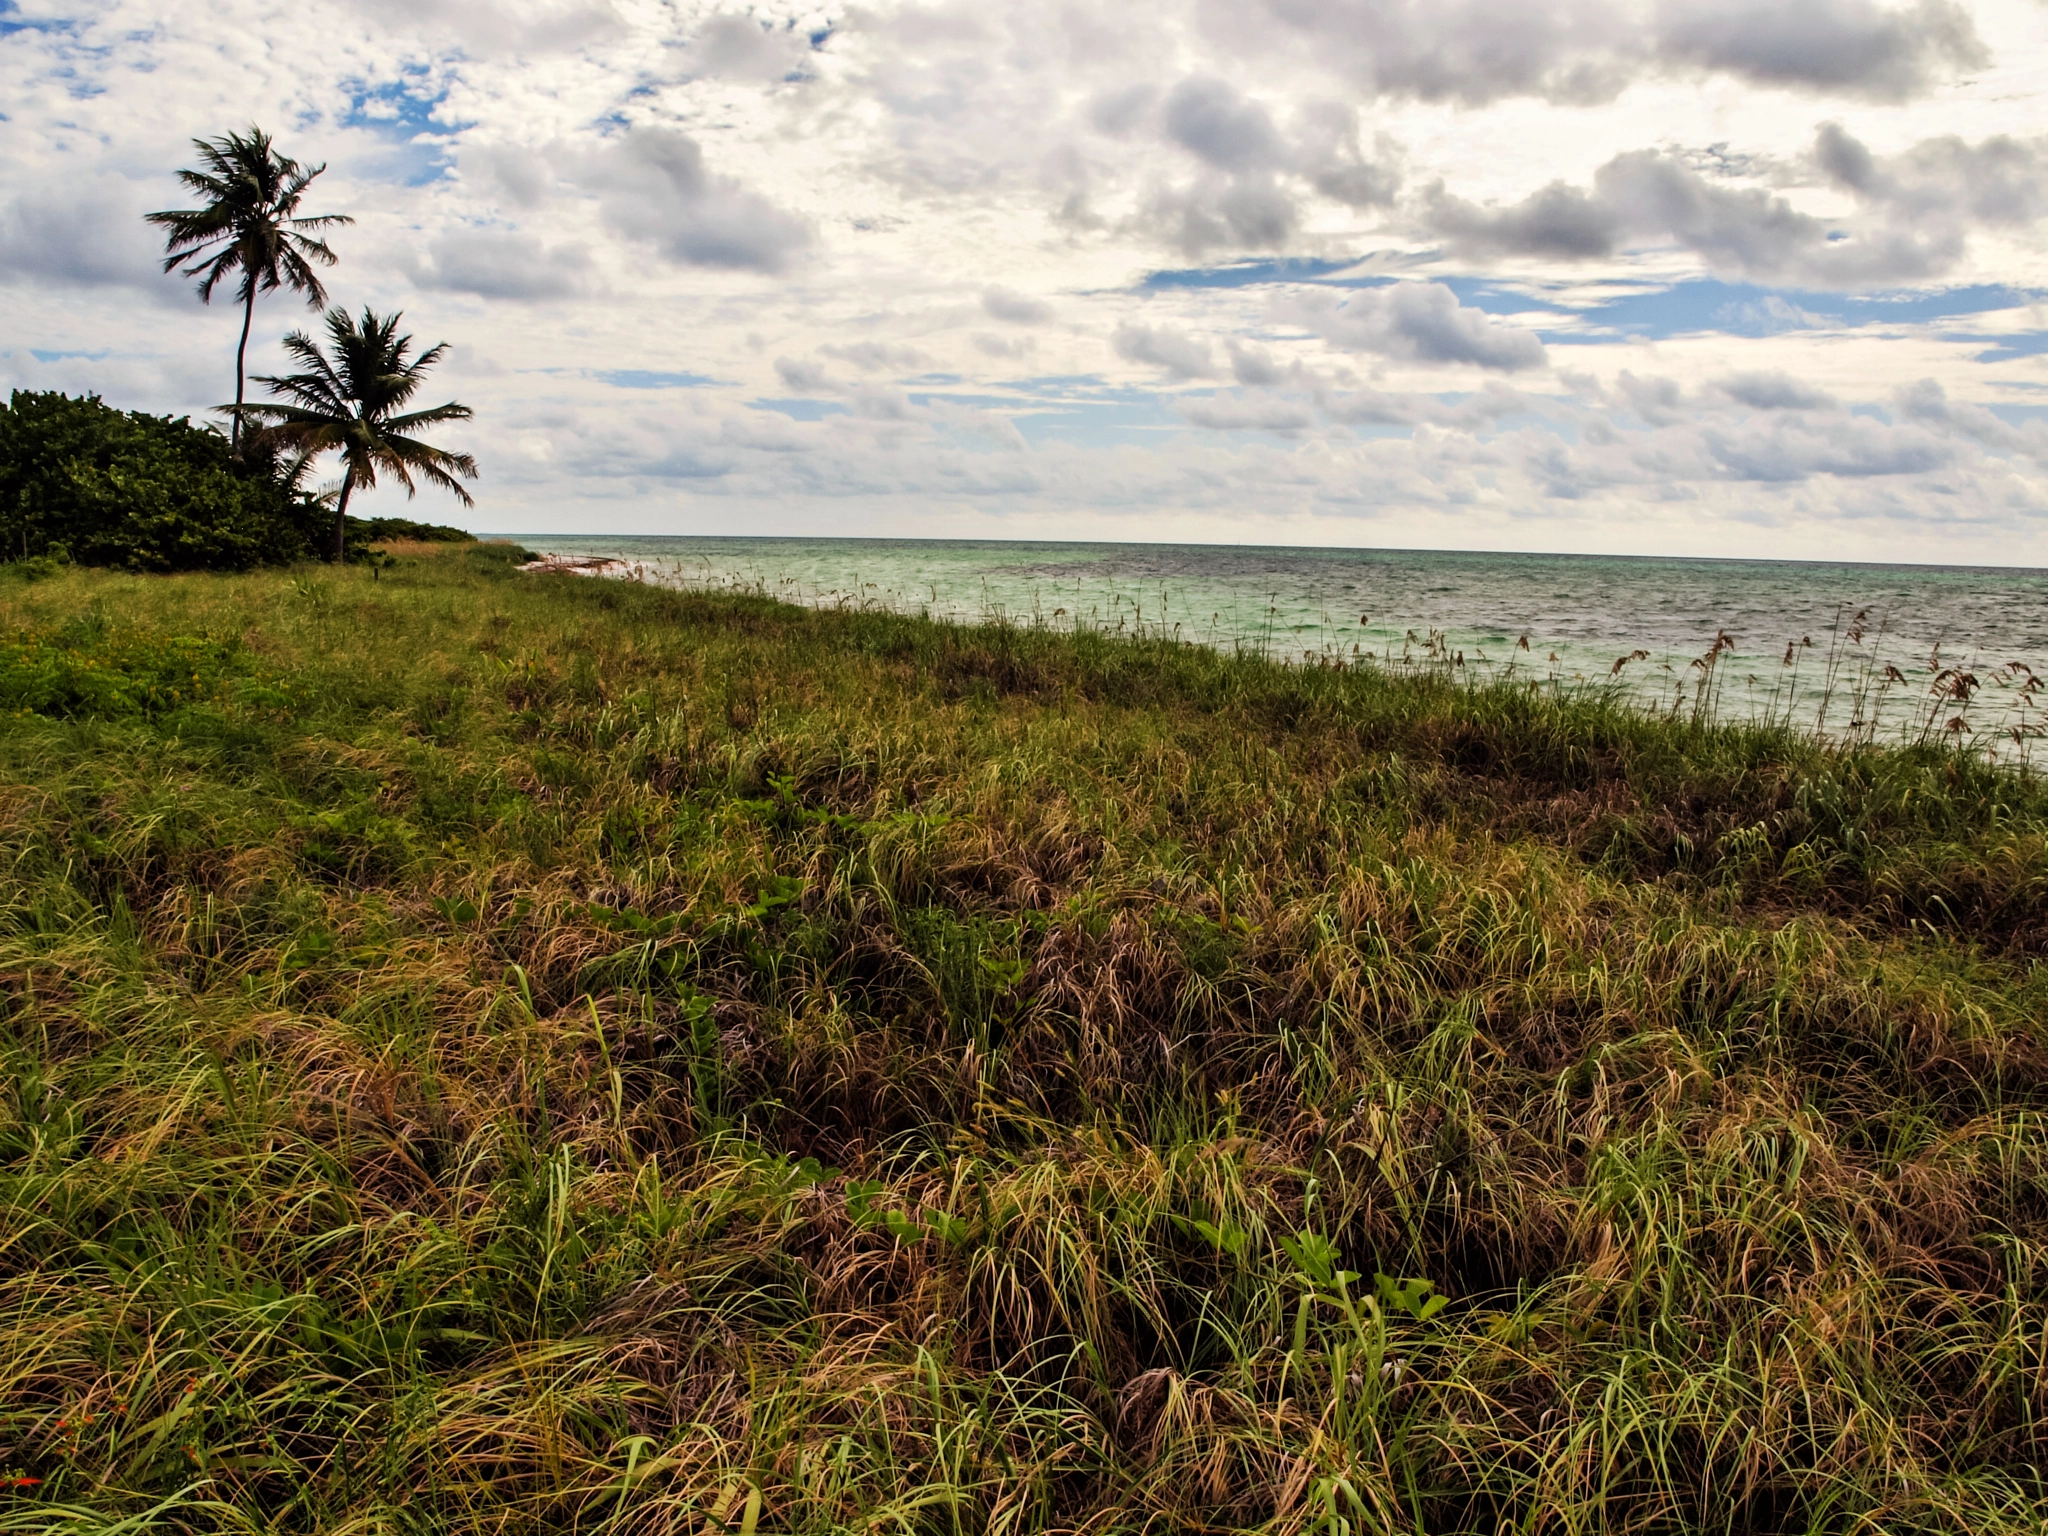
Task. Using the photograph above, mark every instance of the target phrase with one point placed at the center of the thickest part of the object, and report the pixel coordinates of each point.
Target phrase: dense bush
(406, 528)
(152, 493)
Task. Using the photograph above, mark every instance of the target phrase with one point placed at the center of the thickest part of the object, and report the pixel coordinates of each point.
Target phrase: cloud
(653, 186)
(1471, 52)
(1210, 119)
(1415, 322)
(1266, 410)
(875, 356)
(1236, 213)
(1926, 402)
(1708, 457)
(804, 376)
(1257, 366)
(1181, 355)
(1474, 52)
(1845, 161)
(741, 48)
(1119, 110)
(1472, 414)
(86, 233)
(1741, 230)
(1558, 221)
(1644, 194)
(500, 264)
(1327, 152)
(523, 176)
(1017, 308)
(1252, 177)
(1775, 391)
(1912, 226)
(487, 30)
(1787, 449)
(1769, 429)
(876, 403)
(1851, 46)
(1242, 412)
(2002, 181)
(1004, 346)
(1660, 402)
(579, 182)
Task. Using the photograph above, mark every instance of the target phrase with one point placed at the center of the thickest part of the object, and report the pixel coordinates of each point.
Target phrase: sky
(1762, 278)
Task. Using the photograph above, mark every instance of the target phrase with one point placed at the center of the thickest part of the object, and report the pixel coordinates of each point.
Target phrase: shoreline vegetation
(498, 1052)
(81, 482)
(1855, 685)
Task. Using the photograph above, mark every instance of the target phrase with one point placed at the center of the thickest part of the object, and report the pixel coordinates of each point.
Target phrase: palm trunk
(348, 484)
(241, 359)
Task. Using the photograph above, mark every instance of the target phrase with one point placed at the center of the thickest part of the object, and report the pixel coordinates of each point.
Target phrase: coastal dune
(554, 1054)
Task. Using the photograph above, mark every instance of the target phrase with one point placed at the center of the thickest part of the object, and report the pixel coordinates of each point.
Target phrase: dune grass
(501, 1053)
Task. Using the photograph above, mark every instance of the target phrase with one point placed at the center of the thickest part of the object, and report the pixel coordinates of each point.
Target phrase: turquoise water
(1964, 641)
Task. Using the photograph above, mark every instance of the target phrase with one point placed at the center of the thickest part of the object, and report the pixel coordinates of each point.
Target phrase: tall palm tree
(351, 398)
(249, 224)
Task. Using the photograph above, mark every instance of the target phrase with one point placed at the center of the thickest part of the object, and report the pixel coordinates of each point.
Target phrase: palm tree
(350, 399)
(250, 224)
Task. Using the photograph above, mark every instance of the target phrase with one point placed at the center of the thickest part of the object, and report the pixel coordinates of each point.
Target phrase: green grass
(511, 1053)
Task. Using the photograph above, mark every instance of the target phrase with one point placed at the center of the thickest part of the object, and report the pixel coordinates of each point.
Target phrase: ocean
(1802, 642)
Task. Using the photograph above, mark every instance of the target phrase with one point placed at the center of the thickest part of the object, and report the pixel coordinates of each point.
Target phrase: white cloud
(652, 185)
(1853, 46)
(1414, 322)
(501, 264)
(740, 47)
(776, 203)
(1774, 391)
(2002, 181)
(1211, 120)
(1263, 412)
(81, 231)
(876, 356)
(1576, 51)
(1017, 308)
(1913, 225)
(1178, 353)
(805, 376)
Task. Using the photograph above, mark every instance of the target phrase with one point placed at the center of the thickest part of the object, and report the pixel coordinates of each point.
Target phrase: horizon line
(1327, 549)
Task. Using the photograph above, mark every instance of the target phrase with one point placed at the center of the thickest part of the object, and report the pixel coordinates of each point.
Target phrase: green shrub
(151, 493)
(406, 528)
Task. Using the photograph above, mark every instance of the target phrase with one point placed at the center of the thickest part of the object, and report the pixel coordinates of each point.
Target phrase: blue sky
(1645, 276)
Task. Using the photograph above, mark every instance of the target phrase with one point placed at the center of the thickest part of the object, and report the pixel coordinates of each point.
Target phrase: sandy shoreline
(588, 565)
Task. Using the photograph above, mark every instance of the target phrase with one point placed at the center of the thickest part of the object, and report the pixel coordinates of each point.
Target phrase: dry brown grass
(647, 1057)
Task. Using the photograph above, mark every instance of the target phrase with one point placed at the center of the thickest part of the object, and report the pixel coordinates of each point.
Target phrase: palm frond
(447, 482)
(424, 456)
(297, 273)
(294, 420)
(432, 416)
(211, 272)
(250, 199)
(347, 397)
(319, 387)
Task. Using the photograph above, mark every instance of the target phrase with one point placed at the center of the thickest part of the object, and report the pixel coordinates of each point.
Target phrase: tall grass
(501, 1053)
(1859, 683)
